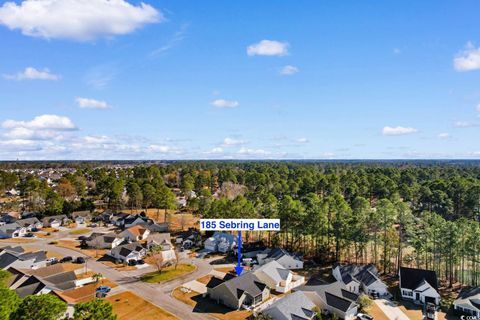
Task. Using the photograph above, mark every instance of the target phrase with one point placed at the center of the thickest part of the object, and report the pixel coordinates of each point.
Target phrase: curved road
(157, 294)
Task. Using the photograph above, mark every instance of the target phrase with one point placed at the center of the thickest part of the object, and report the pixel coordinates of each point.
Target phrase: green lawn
(79, 231)
(167, 273)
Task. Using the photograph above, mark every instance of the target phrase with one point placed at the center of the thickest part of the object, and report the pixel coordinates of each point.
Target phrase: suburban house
(30, 224)
(162, 240)
(244, 291)
(12, 230)
(282, 256)
(360, 277)
(126, 221)
(468, 302)
(30, 260)
(103, 240)
(295, 306)
(6, 219)
(54, 221)
(15, 250)
(127, 252)
(220, 242)
(189, 238)
(155, 227)
(275, 276)
(333, 298)
(81, 217)
(419, 285)
(135, 233)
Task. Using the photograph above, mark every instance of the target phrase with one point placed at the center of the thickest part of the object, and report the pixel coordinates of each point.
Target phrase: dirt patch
(205, 279)
(128, 306)
(75, 245)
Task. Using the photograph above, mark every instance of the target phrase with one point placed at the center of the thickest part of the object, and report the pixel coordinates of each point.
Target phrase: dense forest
(423, 214)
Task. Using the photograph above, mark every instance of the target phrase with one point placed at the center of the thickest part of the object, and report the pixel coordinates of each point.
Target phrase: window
(407, 293)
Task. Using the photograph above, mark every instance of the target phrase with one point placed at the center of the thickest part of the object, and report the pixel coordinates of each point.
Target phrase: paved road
(391, 310)
(158, 294)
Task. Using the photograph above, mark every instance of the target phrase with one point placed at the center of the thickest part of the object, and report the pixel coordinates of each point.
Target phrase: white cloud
(252, 152)
(468, 59)
(328, 154)
(155, 148)
(464, 124)
(19, 145)
(268, 48)
(86, 103)
(43, 122)
(478, 107)
(80, 20)
(288, 70)
(443, 136)
(31, 73)
(396, 131)
(302, 140)
(216, 150)
(222, 103)
(228, 142)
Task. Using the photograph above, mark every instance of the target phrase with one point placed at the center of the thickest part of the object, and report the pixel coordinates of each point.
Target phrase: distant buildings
(282, 256)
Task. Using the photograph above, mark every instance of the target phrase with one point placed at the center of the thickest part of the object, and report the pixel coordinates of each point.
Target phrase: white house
(360, 277)
(282, 256)
(127, 252)
(275, 276)
(30, 224)
(12, 230)
(162, 240)
(103, 240)
(54, 221)
(220, 242)
(419, 285)
(468, 301)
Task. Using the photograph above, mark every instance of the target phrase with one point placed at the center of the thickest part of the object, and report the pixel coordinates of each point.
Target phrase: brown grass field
(128, 306)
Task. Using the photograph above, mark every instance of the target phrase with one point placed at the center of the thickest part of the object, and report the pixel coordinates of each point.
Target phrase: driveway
(391, 310)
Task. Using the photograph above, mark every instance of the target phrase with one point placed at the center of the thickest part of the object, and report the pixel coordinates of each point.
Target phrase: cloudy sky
(118, 79)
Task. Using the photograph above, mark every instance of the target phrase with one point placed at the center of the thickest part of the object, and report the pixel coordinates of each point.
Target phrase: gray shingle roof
(293, 306)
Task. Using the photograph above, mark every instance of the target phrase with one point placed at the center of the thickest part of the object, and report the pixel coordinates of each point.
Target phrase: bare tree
(157, 256)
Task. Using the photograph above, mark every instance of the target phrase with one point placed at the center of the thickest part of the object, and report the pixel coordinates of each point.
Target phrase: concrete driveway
(391, 310)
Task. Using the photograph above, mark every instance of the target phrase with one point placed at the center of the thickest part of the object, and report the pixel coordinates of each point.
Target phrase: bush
(364, 301)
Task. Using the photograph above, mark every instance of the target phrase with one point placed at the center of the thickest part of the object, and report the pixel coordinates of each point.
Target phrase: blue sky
(179, 79)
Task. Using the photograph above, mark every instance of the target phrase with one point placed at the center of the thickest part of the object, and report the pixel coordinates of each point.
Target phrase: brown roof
(47, 271)
(136, 230)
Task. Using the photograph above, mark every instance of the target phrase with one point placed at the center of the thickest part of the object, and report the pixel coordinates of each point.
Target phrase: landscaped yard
(205, 305)
(168, 273)
(129, 306)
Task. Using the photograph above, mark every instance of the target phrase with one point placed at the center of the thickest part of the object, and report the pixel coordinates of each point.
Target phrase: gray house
(12, 230)
(294, 306)
(244, 291)
(30, 224)
(468, 302)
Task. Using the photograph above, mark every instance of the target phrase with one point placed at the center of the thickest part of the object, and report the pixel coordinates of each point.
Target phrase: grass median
(168, 273)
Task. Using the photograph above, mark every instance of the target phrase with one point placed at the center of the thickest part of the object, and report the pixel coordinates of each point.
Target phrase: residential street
(158, 294)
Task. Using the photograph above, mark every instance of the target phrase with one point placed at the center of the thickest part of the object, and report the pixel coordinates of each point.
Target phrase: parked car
(92, 225)
(51, 261)
(430, 311)
(363, 316)
(103, 289)
(140, 261)
(66, 259)
(80, 260)
(29, 235)
(82, 238)
(132, 262)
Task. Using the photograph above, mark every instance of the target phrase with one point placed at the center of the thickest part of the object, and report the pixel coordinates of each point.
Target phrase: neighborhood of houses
(274, 283)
